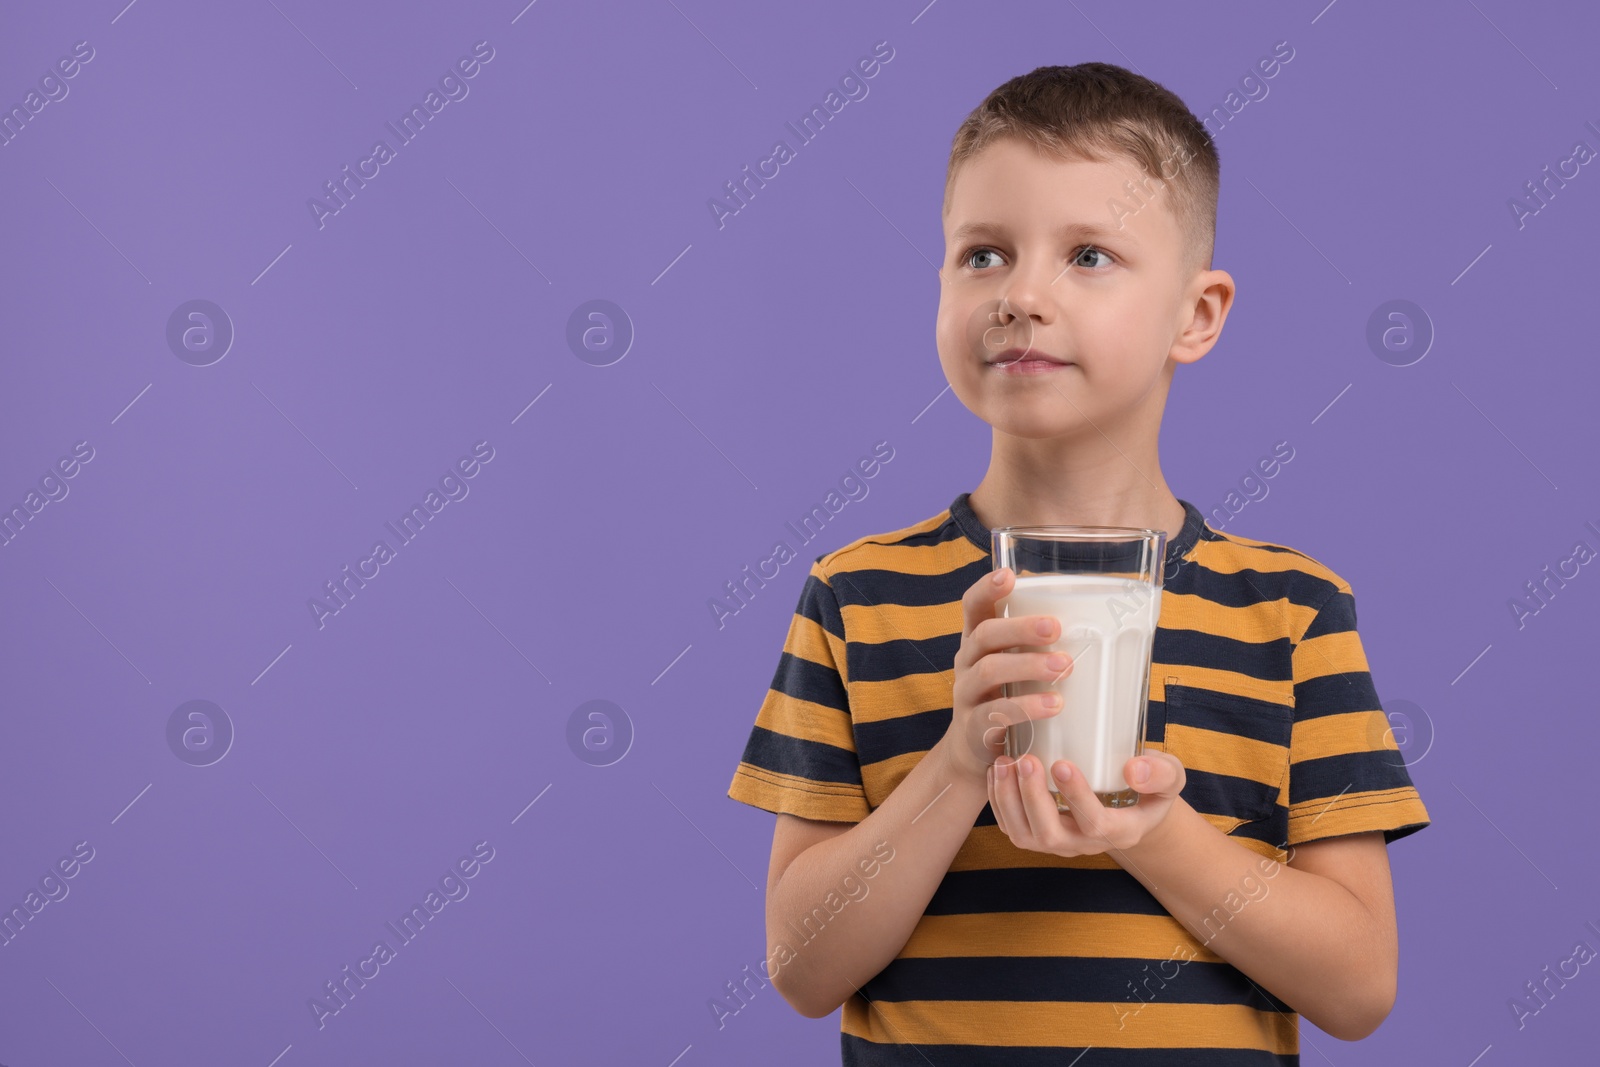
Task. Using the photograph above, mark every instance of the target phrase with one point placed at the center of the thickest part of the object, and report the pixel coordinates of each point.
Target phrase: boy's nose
(996, 326)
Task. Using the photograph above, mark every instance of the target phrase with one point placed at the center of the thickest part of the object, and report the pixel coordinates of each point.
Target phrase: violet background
(768, 356)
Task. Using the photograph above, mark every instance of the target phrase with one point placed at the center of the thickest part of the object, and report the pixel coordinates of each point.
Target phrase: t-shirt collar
(1177, 547)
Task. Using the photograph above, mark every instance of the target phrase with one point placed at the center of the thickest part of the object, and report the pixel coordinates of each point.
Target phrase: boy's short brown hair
(1097, 111)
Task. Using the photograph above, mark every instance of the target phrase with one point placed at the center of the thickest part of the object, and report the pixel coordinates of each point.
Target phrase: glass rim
(1131, 533)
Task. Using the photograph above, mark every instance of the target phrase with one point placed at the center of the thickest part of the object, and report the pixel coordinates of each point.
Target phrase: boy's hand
(1026, 810)
(980, 712)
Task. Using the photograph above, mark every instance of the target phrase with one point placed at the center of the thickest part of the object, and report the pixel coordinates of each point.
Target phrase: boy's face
(1051, 272)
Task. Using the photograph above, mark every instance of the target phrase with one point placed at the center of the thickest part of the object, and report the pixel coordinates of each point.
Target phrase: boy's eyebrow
(1069, 230)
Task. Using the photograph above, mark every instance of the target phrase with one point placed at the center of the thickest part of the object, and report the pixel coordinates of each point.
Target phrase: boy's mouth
(1026, 361)
(1029, 366)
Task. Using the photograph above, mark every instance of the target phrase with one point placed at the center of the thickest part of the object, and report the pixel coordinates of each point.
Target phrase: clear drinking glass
(1104, 585)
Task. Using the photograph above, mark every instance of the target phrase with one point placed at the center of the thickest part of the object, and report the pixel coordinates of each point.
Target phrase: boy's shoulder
(1236, 553)
(928, 546)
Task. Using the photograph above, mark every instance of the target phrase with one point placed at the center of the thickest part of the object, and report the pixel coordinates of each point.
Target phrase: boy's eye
(1077, 260)
(1085, 250)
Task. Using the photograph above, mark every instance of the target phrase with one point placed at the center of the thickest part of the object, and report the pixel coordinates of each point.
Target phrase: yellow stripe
(809, 640)
(1016, 1024)
(826, 801)
(1234, 554)
(927, 525)
(1353, 813)
(1056, 933)
(873, 625)
(1243, 757)
(906, 695)
(915, 693)
(988, 848)
(941, 558)
(1251, 542)
(784, 714)
(1222, 681)
(1339, 653)
(771, 777)
(1339, 735)
(881, 778)
(877, 623)
(1266, 621)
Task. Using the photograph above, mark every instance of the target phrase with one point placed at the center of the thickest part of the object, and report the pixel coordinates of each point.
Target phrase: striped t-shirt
(1258, 683)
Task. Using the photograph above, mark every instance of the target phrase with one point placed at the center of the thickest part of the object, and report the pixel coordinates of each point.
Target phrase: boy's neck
(1024, 486)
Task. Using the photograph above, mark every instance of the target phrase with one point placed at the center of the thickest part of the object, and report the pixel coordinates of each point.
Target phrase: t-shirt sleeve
(801, 755)
(1346, 774)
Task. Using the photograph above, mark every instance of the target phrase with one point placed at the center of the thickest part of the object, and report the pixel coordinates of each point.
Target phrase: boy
(1250, 883)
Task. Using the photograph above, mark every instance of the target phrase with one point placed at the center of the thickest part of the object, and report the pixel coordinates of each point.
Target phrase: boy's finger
(1085, 807)
(1165, 778)
(1008, 801)
(1039, 805)
(977, 603)
(994, 802)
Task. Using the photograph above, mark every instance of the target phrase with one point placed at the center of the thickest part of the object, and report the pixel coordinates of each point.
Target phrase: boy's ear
(1212, 298)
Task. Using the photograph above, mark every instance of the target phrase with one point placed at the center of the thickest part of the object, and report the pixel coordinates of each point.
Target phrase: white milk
(1107, 626)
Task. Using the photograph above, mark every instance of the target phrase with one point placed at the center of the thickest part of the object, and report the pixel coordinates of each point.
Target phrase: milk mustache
(1107, 627)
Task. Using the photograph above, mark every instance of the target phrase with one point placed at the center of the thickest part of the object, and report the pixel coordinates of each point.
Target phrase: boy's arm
(1318, 933)
(1321, 936)
(925, 819)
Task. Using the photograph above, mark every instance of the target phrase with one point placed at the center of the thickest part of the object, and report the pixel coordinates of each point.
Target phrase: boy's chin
(1044, 427)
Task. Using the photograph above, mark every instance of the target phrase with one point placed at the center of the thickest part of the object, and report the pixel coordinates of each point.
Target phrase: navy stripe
(858, 1052)
(802, 679)
(893, 660)
(1212, 792)
(1006, 889)
(1125, 982)
(1338, 614)
(890, 660)
(1272, 829)
(1246, 587)
(1213, 535)
(1229, 795)
(872, 586)
(819, 604)
(806, 759)
(876, 741)
(1390, 836)
(1229, 713)
(1267, 660)
(1353, 772)
(1334, 694)
(945, 531)
(1155, 717)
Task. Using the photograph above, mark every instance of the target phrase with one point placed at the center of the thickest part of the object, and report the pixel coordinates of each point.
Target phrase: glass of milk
(1103, 583)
